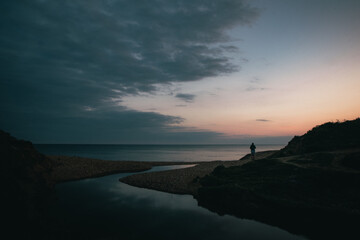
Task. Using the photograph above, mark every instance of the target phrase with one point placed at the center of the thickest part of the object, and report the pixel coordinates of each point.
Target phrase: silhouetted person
(252, 148)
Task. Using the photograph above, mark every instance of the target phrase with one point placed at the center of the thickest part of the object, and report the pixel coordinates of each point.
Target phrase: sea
(151, 153)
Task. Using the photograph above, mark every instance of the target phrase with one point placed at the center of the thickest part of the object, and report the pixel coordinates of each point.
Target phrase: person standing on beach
(252, 148)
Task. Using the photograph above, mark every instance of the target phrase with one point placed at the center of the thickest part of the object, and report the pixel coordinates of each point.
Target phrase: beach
(180, 181)
(69, 168)
(184, 181)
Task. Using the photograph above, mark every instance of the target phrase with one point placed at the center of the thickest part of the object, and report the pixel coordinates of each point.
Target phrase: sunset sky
(185, 71)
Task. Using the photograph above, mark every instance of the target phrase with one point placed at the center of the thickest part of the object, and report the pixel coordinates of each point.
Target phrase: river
(104, 208)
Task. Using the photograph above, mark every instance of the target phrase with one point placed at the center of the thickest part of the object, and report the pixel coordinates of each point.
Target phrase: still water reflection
(104, 208)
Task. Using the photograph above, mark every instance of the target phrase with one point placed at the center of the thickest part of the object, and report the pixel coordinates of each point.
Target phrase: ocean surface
(167, 153)
(104, 208)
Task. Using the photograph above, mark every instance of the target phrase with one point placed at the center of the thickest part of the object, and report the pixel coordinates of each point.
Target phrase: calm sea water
(185, 153)
(104, 208)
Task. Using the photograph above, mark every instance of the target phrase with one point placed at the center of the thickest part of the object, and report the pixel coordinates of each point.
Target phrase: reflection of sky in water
(104, 207)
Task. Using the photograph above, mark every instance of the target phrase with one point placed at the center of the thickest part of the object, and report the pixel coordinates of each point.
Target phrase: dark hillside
(25, 185)
(326, 137)
(313, 202)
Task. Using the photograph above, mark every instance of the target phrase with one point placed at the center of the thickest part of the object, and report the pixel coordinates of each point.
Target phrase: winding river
(104, 208)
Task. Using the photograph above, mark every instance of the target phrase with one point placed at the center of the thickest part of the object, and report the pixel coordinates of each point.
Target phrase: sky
(177, 72)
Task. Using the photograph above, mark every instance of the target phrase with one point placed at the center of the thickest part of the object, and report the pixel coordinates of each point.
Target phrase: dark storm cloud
(71, 58)
(186, 97)
(124, 45)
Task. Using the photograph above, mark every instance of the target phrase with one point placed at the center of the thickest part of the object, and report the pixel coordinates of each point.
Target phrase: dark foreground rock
(310, 201)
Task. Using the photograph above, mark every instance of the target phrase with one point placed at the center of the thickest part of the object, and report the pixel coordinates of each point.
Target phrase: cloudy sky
(187, 71)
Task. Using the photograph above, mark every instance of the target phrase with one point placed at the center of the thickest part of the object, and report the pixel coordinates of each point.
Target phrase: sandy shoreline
(183, 181)
(66, 168)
